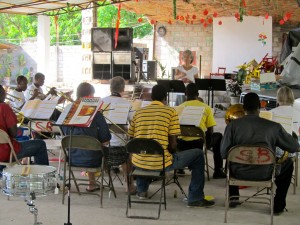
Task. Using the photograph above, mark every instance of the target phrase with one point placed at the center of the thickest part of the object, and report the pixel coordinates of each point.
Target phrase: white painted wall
(235, 43)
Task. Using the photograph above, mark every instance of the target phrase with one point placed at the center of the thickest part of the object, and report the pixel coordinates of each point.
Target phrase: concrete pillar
(87, 56)
(43, 48)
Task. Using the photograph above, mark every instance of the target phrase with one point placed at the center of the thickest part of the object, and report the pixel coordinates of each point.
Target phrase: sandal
(93, 190)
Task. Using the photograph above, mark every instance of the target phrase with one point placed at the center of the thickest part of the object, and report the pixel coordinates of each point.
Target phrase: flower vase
(234, 100)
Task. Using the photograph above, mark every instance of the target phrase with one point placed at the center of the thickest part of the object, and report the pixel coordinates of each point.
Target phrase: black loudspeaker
(102, 65)
(122, 64)
(102, 39)
(150, 69)
(124, 40)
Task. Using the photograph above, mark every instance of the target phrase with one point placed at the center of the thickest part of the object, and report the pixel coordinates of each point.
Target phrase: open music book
(117, 113)
(190, 115)
(80, 113)
(39, 109)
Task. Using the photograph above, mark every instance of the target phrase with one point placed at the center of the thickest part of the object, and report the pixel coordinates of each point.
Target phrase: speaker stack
(109, 61)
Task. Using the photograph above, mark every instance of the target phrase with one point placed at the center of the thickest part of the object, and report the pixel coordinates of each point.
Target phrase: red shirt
(8, 119)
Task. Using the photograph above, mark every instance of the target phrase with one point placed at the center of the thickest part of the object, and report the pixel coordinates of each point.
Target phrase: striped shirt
(155, 121)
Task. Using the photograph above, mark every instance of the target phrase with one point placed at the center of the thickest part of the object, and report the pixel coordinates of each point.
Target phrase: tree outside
(15, 28)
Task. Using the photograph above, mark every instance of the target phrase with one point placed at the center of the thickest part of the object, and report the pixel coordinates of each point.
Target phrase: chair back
(221, 70)
(251, 154)
(192, 131)
(144, 146)
(82, 142)
(44, 126)
(4, 139)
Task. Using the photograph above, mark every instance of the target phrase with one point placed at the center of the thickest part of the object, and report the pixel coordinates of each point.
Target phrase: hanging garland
(242, 10)
(174, 9)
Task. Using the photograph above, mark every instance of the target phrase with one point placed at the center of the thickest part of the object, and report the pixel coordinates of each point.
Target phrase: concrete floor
(85, 210)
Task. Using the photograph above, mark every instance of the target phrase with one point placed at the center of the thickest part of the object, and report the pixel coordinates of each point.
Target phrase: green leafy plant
(163, 68)
(241, 76)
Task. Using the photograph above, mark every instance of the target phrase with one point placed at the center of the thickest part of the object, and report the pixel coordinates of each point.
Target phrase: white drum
(40, 179)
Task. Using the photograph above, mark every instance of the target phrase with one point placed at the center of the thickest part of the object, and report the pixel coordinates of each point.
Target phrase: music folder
(80, 113)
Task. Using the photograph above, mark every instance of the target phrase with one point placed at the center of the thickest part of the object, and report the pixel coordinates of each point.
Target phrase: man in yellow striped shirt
(160, 122)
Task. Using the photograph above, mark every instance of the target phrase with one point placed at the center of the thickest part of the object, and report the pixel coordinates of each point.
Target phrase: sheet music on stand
(191, 115)
(39, 109)
(80, 113)
(145, 103)
(117, 113)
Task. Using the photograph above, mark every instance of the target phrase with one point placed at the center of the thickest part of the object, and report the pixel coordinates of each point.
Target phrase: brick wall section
(277, 37)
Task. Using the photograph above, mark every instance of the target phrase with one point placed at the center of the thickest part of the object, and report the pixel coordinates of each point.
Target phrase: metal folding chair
(145, 146)
(193, 131)
(4, 139)
(84, 143)
(250, 158)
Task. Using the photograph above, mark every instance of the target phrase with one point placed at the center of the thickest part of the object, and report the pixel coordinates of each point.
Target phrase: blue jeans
(194, 160)
(36, 148)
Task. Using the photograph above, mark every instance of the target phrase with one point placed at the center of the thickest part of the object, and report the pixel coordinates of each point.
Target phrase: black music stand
(172, 86)
(69, 173)
(211, 85)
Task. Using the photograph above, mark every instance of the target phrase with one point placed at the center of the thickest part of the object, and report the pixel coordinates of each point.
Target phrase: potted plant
(235, 88)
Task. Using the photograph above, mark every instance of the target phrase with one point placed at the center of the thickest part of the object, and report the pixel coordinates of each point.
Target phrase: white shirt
(115, 140)
(29, 92)
(289, 111)
(189, 73)
(19, 101)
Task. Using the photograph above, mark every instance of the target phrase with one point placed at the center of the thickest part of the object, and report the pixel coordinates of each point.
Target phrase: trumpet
(60, 93)
(13, 98)
(40, 95)
(114, 128)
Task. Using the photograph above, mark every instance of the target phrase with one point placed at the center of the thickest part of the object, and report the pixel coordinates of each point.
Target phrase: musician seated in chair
(117, 152)
(207, 125)
(160, 122)
(8, 123)
(98, 129)
(19, 101)
(251, 129)
(285, 100)
(35, 91)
